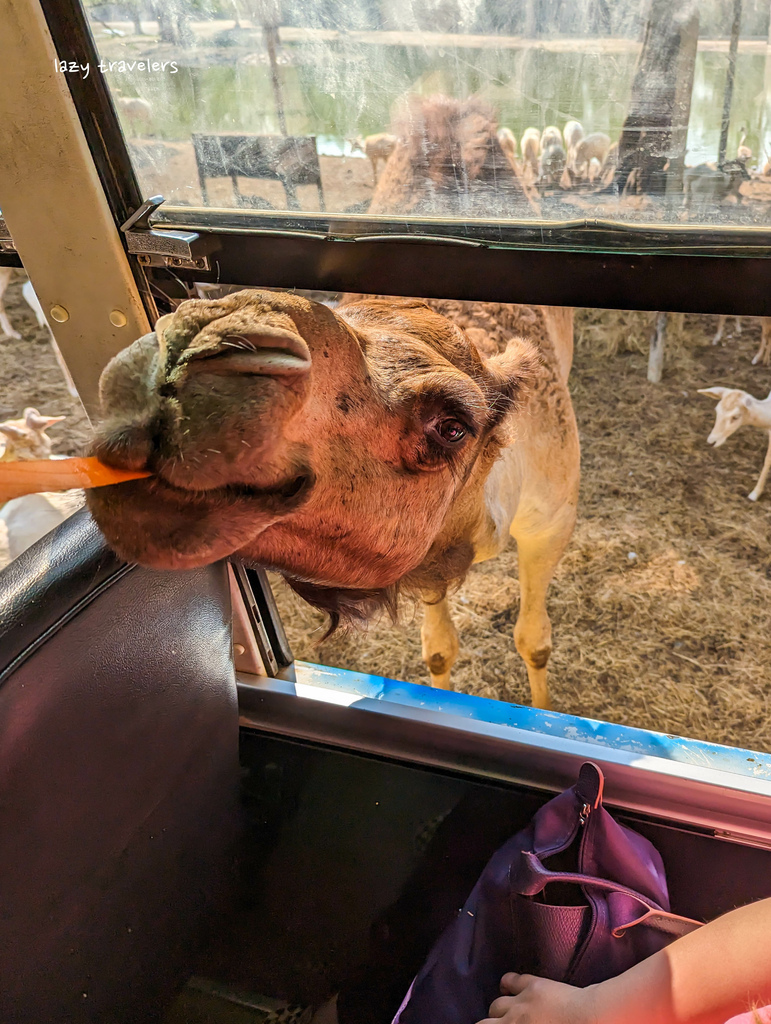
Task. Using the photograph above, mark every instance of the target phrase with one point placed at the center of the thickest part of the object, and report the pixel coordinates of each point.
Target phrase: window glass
(461, 110)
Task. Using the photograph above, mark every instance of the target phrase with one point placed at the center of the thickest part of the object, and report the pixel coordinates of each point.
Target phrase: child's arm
(706, 977)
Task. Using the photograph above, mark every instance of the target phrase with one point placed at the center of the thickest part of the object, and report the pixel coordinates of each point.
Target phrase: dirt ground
(661, 606)
(30, 375)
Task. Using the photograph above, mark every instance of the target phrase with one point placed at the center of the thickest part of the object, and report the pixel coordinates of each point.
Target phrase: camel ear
(161, 326)
(714, 392)
(514, 370)
(35, 421)
(162, 323)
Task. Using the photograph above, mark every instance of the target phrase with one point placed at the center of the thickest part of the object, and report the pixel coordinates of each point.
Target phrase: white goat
(705, 187)
(736, 409)
(529, 148)
(594, 170)
(595, 146)
(572, 133)
(34, 304)
(763, 355)
(551, 164)
(134, 110)
(376, 147)
(552, 136)
(508, 143)
(6, 330)
(743, 152)
(25, 520)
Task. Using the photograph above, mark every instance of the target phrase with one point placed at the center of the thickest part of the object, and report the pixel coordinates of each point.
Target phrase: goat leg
(759, 486)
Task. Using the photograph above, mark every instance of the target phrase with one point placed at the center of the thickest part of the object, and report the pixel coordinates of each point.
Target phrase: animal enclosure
(660, 605)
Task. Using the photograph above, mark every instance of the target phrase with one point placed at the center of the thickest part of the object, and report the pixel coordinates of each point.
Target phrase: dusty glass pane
(453, 109)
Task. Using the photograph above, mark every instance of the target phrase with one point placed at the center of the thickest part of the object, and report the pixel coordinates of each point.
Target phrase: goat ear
(35, 421)
(14, 433)
(714, 392)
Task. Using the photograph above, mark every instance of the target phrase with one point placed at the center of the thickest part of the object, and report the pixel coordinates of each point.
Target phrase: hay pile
(661, 608)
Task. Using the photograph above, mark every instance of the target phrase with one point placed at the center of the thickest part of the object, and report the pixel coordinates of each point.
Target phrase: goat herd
(568, 159)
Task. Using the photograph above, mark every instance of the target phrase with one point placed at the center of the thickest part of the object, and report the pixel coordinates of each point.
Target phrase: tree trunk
(167, 28)
(733, 49)
(136, 17)
(657, 120)
(681, 112)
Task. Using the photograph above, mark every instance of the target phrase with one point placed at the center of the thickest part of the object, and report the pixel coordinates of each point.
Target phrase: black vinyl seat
(118, 778)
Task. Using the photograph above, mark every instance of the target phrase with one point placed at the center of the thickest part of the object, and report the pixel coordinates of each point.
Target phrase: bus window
(539, 112)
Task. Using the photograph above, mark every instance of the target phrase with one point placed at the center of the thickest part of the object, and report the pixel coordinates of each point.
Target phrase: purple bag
(574, 897)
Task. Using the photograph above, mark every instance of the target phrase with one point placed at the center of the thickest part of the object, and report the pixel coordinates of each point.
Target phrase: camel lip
(265, 362)
(293, 489)
(274, 352)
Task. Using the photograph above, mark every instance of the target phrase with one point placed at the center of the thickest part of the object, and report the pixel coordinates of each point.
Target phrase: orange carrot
(30, 477)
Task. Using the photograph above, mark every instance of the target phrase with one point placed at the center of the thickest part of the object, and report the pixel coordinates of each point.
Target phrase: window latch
(156, 247)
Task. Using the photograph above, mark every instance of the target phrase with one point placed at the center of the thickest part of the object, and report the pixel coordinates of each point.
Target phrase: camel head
(731, 413)
(26, 438)
(336, 447)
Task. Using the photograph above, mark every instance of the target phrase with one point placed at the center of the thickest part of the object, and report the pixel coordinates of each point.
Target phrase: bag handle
(533, 878)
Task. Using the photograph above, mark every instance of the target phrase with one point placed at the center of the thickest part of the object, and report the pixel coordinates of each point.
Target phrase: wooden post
(270, 33)
(656, 354)
(728, 95)
(268, 14)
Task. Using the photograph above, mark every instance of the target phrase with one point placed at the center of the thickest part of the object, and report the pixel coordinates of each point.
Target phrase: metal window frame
(724, 792)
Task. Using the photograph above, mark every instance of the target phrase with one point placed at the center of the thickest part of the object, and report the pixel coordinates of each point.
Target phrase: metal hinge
(6, 241)
(154, 247)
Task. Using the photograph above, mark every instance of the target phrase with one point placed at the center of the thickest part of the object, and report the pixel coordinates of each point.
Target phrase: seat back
(118, 778)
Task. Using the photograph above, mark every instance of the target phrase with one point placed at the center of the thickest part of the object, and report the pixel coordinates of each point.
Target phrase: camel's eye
(449, 432)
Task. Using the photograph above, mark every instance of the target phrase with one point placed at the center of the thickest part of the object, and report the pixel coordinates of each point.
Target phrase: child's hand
(528, 1000)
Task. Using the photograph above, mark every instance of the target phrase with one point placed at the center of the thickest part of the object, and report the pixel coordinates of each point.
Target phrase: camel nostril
(129, 448)
(295, 487)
